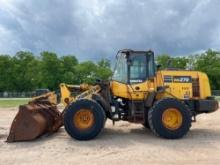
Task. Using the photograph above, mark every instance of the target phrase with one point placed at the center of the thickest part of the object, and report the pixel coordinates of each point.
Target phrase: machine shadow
(119, 138)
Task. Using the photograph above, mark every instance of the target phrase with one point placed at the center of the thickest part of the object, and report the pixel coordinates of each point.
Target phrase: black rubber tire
(99, 117)
(155, 118)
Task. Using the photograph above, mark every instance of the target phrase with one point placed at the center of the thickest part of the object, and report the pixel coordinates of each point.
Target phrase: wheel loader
(165, 101)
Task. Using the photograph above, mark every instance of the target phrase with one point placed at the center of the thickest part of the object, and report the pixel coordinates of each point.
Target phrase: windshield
(138, 68)
(121, 69)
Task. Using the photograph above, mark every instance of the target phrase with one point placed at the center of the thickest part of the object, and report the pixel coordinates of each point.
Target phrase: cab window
(121, 69)
(138, 68)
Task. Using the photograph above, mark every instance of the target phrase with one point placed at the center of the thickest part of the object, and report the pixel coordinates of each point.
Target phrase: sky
(95, 29)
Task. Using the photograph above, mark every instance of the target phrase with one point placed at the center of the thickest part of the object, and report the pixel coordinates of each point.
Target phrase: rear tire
(181, 124)
(80, 131)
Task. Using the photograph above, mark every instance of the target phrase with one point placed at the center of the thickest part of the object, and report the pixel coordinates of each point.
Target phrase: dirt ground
(123, 143)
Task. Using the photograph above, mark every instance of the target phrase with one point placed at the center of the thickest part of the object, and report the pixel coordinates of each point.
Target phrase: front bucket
(34, 120)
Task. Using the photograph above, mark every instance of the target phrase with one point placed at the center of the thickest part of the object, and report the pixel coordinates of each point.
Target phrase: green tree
(86, 72)
(50, 76)
(89, 72)
(104, 71)
(163, 60)
(25, 71)
(6, 67)
(67, 69)
(209, 62)
(166, 61)
(180, 62)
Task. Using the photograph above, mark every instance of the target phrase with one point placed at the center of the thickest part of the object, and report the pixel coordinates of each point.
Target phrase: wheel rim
(172, 118)
(83, 119)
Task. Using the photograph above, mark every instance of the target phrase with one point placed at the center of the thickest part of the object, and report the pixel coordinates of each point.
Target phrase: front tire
(84, 119)
(169, 118)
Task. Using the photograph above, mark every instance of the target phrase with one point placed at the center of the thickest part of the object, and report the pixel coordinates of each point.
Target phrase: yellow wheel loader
(165, 101)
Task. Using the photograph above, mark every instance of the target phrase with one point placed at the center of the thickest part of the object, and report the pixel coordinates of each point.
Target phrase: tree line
(27, 72)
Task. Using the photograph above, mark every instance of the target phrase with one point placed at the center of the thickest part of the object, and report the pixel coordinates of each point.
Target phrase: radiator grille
(196, 87)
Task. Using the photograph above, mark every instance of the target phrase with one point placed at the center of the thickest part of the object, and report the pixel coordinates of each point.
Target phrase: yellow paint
(172, 119)
(133, 91)
(83, 119)
(84, 89)
(205, 90)
(140, 91)
(174, 89)
(65, 94)
(179, 90)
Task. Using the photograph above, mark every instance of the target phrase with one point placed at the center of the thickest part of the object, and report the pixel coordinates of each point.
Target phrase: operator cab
(134, 66)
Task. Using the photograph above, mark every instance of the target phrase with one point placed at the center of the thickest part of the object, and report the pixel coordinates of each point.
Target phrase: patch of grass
(6, 103)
